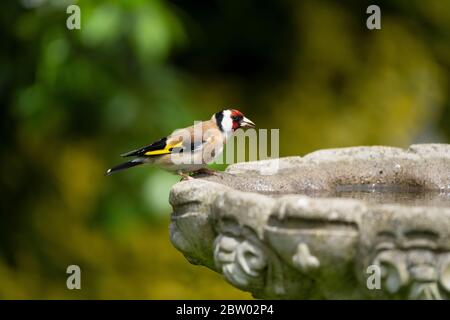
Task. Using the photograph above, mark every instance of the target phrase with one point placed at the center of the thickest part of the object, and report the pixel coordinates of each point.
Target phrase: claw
(184, 176)
(210, 172)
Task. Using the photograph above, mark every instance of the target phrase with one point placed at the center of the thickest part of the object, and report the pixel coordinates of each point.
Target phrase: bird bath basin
(352, 223)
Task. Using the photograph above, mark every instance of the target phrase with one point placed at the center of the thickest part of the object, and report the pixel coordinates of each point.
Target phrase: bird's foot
(185, 176)
(209, 172)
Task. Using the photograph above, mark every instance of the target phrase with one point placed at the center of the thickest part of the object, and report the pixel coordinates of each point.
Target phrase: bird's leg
(208, 171)
(184, 176)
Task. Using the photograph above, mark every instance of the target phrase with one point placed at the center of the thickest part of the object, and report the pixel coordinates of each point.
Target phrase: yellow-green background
(72, 101)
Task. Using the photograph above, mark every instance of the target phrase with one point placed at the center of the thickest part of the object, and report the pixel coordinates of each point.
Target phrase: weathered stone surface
(287, 235)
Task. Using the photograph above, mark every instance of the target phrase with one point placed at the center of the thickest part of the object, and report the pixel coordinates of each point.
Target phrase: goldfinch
(190, 149)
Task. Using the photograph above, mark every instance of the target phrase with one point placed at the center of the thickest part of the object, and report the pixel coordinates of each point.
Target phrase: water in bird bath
(411, 194)
(388, 194)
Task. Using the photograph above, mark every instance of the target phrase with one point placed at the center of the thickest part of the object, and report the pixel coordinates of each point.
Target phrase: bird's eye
(235, 118)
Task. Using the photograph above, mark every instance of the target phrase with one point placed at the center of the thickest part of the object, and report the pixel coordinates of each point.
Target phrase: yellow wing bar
(167, 149)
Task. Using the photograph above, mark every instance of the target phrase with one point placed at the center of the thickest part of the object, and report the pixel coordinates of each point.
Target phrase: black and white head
(229, 120)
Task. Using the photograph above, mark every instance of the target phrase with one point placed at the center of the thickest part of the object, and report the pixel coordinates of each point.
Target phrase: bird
(191, 149)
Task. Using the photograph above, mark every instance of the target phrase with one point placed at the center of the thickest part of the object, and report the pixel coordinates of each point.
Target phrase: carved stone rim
(295, 246)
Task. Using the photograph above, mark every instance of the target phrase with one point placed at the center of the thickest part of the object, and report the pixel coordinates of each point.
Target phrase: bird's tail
(125, 165)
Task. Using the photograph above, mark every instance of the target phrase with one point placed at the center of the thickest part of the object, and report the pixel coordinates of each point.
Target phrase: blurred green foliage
(71, 101)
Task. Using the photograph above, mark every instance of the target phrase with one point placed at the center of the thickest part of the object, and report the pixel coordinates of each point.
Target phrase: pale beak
(247, 123)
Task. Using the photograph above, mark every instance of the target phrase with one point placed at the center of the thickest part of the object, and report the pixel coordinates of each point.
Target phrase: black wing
(158, 145)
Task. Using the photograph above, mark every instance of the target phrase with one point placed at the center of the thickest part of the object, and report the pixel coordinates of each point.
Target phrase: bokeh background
(72, 101)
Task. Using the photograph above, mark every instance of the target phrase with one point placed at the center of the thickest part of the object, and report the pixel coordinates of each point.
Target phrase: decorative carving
(444, 272)
(394, 270)
(241, 262)
(303, 258)
(415, 266)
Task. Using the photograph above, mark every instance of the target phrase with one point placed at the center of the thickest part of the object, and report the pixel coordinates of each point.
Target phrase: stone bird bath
(352, 223)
